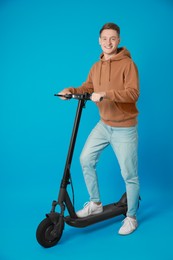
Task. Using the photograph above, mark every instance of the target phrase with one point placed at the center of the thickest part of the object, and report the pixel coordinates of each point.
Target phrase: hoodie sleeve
(130, 93)
(87, 86)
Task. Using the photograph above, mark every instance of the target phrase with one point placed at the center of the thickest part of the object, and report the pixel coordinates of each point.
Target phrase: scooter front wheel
(46, 234)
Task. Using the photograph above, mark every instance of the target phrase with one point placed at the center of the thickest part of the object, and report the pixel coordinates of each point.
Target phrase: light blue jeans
(124, 142)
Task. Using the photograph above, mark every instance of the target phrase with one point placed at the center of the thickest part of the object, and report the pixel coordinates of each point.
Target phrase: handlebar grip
(68, 96)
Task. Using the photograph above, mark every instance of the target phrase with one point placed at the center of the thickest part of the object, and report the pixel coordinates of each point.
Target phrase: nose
(109, 41)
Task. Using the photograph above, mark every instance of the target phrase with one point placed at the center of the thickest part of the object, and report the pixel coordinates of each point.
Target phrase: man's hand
(97, 97)
(64, 92)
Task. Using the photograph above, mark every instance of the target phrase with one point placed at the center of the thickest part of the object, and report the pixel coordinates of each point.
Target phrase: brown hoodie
(118, 78)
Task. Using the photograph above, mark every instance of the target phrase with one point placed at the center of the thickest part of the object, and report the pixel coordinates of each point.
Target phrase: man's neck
(109, 56)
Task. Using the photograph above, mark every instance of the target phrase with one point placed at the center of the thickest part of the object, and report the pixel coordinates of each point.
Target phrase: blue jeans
(124, 142)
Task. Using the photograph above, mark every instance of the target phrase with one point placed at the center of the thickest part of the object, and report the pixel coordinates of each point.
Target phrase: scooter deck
(109, 211)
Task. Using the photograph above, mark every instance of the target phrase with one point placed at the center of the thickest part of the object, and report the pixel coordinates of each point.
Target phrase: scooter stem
(66, 176)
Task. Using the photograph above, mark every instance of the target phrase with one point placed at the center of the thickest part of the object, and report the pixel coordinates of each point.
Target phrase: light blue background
(46, 46)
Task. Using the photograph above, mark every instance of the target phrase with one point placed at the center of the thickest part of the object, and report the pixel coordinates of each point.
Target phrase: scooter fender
(54, 217)
(58, 221)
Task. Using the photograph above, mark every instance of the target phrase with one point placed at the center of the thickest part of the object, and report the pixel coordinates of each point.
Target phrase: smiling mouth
(108, 47)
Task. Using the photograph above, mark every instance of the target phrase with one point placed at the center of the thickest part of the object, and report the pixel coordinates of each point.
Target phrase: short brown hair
(112, 26)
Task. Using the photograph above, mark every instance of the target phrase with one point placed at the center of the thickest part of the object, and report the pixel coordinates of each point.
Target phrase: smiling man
(113, 83)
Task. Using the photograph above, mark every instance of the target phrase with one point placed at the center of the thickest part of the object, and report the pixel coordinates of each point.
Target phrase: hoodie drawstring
(109, 70)
(101, 71)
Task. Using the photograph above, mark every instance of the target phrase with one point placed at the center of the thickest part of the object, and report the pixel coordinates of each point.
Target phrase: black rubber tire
(44, 236)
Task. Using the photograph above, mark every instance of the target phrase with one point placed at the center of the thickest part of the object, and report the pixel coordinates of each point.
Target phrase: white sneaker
(130, 224)
(90, 208)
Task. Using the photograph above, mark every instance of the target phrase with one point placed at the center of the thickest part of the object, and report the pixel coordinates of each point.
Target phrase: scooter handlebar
(85, 96)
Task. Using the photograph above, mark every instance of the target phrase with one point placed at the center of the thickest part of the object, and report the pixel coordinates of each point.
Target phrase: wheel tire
(44, 236)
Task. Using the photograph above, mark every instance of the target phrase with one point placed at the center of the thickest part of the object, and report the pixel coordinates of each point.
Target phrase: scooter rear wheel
(45, 235)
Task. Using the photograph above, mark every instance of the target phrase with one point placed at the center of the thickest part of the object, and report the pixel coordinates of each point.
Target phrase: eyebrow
(108, 37)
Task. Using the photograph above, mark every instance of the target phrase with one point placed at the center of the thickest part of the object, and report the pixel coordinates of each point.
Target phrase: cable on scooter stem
(82, 99)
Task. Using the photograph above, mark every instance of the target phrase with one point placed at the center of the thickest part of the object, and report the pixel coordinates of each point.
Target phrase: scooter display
(50, 229)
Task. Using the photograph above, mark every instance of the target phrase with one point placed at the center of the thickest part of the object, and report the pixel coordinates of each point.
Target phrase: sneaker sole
(95, 213)
(127, 233)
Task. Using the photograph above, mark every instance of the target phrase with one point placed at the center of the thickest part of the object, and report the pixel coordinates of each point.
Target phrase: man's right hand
(64, 92)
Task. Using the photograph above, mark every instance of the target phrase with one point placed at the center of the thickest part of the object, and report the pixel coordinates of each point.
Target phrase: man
(113, 83)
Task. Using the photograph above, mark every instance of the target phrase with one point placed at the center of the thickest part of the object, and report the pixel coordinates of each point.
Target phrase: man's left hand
(98, 96)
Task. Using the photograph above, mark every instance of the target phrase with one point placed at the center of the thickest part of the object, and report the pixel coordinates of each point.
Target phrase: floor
(152, 239)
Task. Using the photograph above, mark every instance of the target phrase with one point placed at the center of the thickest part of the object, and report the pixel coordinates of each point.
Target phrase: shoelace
(87, 204)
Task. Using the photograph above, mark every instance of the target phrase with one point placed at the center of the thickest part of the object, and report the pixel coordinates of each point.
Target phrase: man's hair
(112, 26)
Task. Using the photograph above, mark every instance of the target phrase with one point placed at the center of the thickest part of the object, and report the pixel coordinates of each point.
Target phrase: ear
(119, 40)
(99, 41)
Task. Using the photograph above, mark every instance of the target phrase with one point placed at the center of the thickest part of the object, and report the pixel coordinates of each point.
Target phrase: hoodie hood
(122, 53)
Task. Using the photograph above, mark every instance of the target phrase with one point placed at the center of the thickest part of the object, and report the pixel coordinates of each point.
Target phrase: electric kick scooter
(50, 230)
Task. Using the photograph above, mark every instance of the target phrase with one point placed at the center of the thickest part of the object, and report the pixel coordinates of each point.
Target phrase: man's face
(109, 41)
